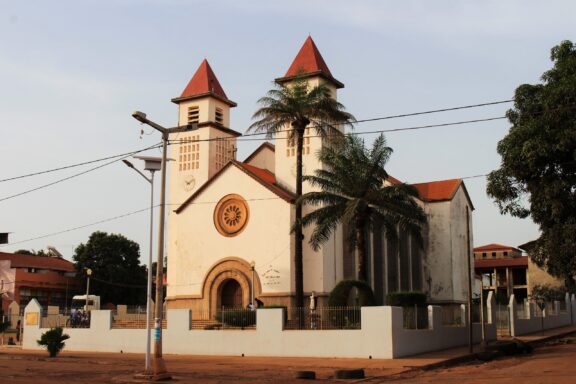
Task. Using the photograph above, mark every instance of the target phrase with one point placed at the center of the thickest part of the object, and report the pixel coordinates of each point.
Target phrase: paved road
(552, 363)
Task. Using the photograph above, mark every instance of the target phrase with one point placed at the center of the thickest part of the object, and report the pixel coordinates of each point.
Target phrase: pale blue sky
(72, 72)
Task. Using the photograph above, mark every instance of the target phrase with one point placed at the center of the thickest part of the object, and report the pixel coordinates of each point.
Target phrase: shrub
(406, 299)
(53, 340)
(341, 292)
(237, 317)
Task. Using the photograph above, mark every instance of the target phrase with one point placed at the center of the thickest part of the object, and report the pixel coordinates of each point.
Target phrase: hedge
(406, 299)
(341, 292)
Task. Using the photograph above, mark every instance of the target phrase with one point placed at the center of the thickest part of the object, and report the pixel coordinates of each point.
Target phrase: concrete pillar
(490, 305)
(434, 317)
(463, 315)
(512, 315)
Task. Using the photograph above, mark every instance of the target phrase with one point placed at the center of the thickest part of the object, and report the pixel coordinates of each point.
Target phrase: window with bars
(193, 114)
(291, 145)
(189, 153)
(219, 116)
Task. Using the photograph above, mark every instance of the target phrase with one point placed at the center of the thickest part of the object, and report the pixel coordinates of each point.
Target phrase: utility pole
(470, 330)
(159, 371)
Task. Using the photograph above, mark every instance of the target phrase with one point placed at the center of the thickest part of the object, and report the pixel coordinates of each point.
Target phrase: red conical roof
(204, 83)
(309, 61)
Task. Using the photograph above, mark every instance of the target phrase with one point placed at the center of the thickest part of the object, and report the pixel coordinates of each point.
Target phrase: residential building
(507, 270)
(229, 232)
(49, 279)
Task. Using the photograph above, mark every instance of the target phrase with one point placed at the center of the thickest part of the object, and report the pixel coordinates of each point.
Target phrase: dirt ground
(551, 363)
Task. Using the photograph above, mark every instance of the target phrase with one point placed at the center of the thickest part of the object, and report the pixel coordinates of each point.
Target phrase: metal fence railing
(522, 310)
(236, 318)
(452, 316)
(415, 317)
(322, 318)
(134, 318)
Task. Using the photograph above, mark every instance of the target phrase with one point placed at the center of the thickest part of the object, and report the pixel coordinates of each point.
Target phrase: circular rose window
(231, 215)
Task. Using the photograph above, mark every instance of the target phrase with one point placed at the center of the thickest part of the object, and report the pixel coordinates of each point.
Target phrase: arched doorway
(231, 294)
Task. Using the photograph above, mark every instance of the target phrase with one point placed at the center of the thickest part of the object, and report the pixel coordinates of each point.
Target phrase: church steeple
(201, 152)
(309, 62)
(204, 83)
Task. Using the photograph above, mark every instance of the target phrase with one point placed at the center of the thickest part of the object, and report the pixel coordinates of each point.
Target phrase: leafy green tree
(117, 276)
(53, 340)
(537, 175)
(294, 107)
(353, 193)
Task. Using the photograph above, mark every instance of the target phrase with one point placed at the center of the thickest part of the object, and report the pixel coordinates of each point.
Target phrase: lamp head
(129, 164)
(140, 116)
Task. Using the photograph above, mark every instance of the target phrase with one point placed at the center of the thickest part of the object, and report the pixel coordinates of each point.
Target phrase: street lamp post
(159, 371)
(88, 274)
(151, 164)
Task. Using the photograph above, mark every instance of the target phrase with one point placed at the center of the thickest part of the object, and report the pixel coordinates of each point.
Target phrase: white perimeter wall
(382, 336)
(532, 324)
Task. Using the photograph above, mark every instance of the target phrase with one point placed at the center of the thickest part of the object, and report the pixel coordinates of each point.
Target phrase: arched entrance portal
(231, 295)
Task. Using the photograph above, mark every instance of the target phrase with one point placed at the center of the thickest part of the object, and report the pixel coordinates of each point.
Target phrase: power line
(249, 139)
(79, 227)
(75, 175)
(73, 165)
(107, 282)
(435, 111)
(352, 133)
(259, 134)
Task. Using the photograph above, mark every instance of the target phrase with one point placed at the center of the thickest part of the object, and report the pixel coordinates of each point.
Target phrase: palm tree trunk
(361, 248)
(299, 238)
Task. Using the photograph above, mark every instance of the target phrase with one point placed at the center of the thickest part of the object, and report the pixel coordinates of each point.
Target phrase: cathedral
(229, 240)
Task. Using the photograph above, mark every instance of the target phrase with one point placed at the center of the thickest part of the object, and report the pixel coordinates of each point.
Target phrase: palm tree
(353, 193)
(293, 107)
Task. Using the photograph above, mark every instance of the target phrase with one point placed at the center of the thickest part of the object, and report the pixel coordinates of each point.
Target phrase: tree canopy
(353, 192)
(537, 175)
(294, 107)
(117, 276)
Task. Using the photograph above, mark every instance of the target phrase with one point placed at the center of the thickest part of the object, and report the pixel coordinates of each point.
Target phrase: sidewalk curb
(472, 356)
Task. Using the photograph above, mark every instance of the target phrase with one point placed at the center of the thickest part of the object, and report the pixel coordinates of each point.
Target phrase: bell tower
(198, 154)
(309, 65)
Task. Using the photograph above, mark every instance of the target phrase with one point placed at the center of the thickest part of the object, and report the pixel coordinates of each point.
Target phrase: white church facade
(229, 239)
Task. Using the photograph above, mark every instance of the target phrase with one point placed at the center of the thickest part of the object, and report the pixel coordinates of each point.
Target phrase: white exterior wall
(444, 261)
(381, 336)
(206, 110)
(264, 159)
(265, 239)
(533, 324)
(460, 250)
(437, 258)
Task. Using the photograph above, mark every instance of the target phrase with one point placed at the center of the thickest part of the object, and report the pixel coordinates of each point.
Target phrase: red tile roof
(309, 61)
(40, 262)
(204, 83)
(495, 247)
(268, 179)
(392, 180)
(508, 262)
(437, 190)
